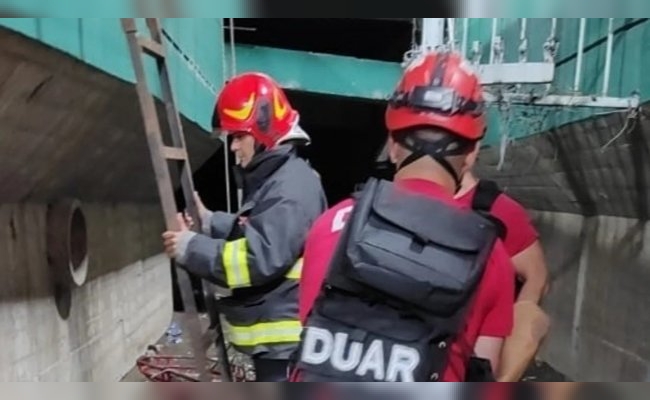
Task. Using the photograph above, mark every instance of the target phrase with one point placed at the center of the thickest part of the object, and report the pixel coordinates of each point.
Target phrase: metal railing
(497, 74)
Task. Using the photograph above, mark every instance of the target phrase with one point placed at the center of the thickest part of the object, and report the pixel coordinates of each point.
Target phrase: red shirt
(521, 233)
(490, 315)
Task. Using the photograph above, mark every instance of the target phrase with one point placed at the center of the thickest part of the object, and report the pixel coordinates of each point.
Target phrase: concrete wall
(590, 184)
(600, 268)
(125, 304)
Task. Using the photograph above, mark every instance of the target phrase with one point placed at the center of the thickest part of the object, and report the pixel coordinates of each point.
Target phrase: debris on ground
(174, 333)
(170, 360)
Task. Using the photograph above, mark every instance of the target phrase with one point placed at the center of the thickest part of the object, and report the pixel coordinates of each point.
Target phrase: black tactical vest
(402, 276)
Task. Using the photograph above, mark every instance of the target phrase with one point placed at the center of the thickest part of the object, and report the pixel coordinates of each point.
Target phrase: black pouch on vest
(415, 250)
(479, 370)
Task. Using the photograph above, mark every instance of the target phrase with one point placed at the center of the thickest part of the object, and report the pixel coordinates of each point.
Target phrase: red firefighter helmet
(439, 89)
(253, 102)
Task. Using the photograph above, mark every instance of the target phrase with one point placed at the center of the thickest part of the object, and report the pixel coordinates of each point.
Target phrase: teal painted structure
(101, 43)
(321, 73)
(130, 8)
(629, 54)
(375, 79)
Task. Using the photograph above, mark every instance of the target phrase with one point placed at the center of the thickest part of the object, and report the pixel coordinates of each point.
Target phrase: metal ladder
(160, 156)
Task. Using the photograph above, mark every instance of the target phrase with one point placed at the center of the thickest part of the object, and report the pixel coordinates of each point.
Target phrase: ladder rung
(174, 153)
(151, 47)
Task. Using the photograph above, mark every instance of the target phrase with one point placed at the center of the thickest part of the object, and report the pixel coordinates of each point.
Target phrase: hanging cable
(451, 34)
(233, 72)
(226, 150)
(233, 62)
(414, 33)
(191, 64)
(415, 47)
(201, 78)
(630, 123)
(505, 134)
(224, 62)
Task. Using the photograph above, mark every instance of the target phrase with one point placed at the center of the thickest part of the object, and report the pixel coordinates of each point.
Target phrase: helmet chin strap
(437, 150)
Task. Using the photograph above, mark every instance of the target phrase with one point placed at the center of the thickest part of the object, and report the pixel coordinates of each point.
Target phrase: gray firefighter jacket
(257, 252)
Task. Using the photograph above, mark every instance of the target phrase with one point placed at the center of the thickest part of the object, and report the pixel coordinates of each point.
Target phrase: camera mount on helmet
(438, 99)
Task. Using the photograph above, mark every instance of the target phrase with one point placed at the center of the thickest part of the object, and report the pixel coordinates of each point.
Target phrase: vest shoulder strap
(485, 196)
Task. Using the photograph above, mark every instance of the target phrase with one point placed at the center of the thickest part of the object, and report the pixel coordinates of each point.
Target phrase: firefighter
(520, 239)
(256, 252)
(401, 282)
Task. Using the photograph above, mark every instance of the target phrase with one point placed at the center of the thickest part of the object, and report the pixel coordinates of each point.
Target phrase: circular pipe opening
(78, 247)
(67, 243)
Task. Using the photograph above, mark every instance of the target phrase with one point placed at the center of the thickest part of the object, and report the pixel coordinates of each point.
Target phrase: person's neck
(468, 182)
(437, 177)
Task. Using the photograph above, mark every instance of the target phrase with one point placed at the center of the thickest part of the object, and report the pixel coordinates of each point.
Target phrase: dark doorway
(347, 134)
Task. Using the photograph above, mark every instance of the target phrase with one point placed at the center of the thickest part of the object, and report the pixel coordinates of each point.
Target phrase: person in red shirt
(521, 239)
(430, 138)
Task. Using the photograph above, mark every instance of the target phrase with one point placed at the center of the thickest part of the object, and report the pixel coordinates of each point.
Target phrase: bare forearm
(489, 348)
(534, 289)
(531, 268)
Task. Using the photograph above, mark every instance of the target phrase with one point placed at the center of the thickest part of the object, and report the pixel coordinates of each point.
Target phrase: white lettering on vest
(373, 361)
(403, 361)
(338, 356)
(313, 338)
(320, 346)
(340, 219)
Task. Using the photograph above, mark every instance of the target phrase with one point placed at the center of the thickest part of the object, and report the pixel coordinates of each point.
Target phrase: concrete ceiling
(67, 129)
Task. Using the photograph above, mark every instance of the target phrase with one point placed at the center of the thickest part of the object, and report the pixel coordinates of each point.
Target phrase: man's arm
(531, 324)
(530, 321)
(489, 348)
(272, 241)
(216, 224)
(523, 246)
(219, 224)
(530, 266)
(498, 322)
